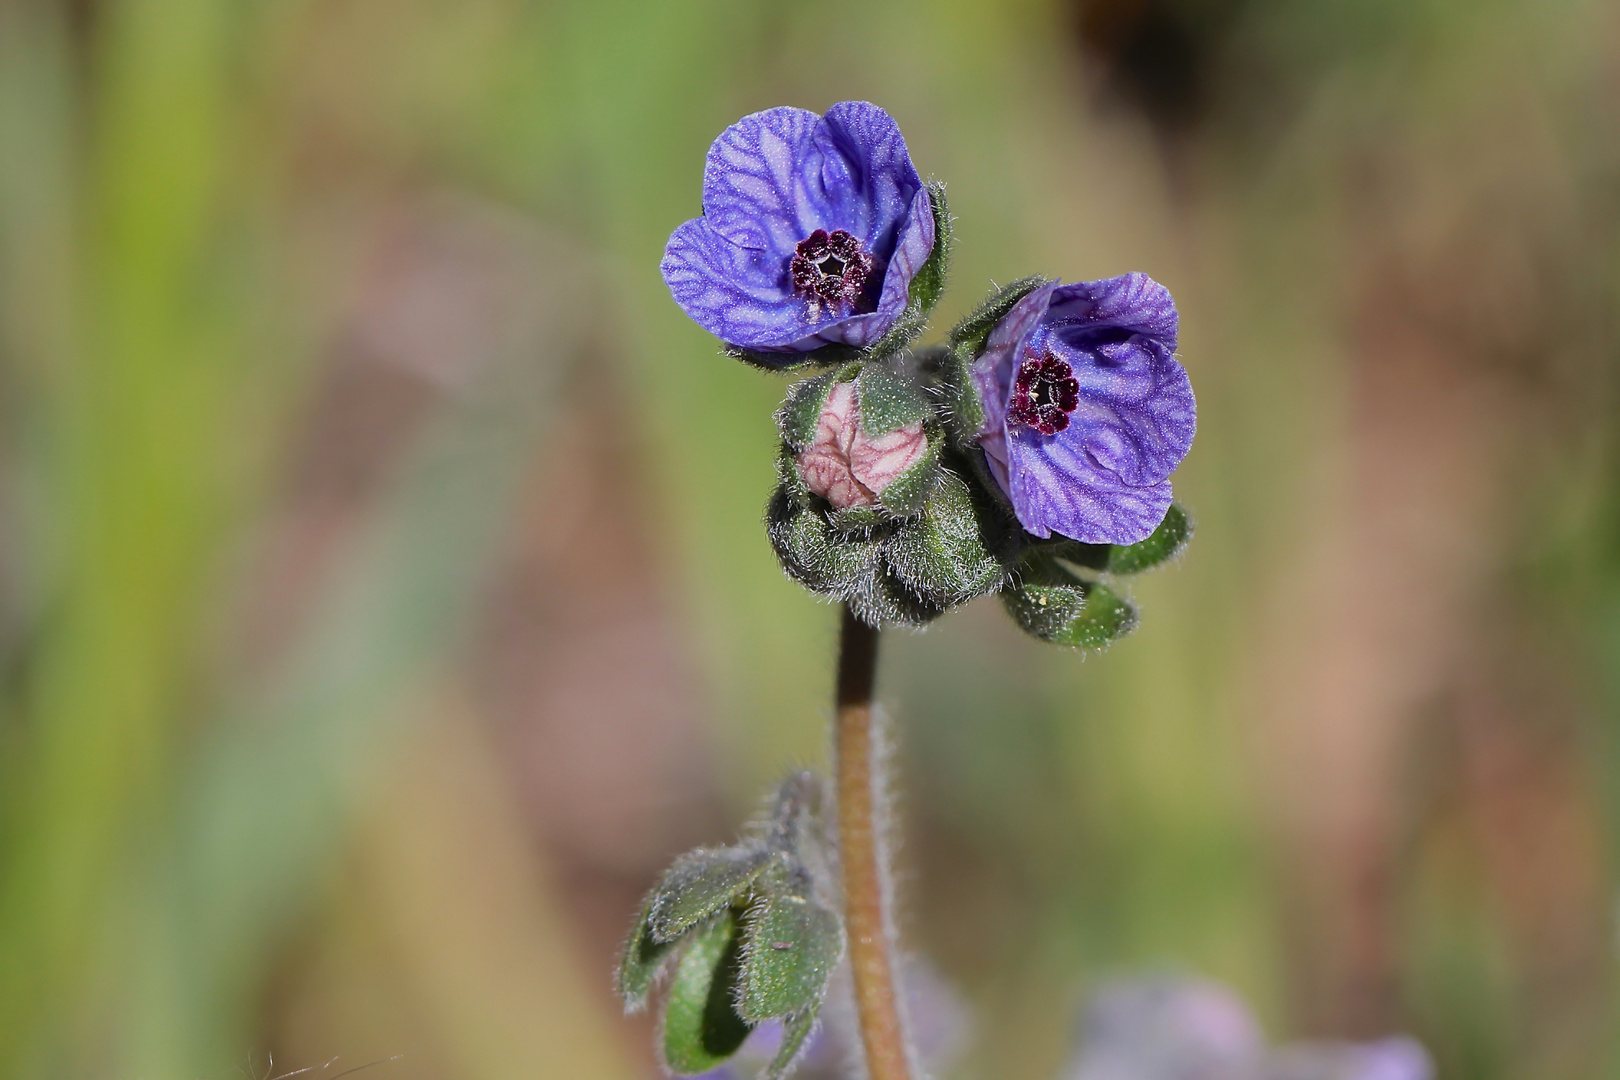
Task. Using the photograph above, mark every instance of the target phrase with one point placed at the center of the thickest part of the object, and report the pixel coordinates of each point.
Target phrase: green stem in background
(861, 852)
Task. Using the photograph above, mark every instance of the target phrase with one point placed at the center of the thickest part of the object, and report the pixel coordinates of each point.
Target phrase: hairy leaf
(1057, 607)
(701, 1027)
(701, 883)
(644, 957)
(796, 1031)
(791, 947)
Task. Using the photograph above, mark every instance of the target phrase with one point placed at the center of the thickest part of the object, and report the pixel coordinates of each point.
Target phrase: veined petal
(1056, 487)
(1096, 471)
(915, 244)
(730, 291)
(866, 180)
(754, 190)
(1133, 302)
(1137, 415)
(771, 180)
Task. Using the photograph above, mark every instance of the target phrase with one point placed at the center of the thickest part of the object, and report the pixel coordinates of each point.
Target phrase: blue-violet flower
(1086, 411)
(812, 229)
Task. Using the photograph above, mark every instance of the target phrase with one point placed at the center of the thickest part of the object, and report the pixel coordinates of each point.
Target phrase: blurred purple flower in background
(1087, 412)
(1169, 1028)
(812, 229)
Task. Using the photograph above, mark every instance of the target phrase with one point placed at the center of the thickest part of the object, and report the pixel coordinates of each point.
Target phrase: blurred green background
(383, 597)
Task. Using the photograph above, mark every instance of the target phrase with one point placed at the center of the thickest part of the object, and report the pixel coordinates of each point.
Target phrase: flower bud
(849, 467)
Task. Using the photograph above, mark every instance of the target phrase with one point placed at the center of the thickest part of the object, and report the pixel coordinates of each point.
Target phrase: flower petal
(867, 183)
(1136, 415)
(915, 244)
(731, 291)
(754, 190)
(770, 180)
(1132, 302)
(1056, 487)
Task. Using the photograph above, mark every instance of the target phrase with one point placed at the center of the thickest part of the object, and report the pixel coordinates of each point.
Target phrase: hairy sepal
(643, 960)
(701, 1028)
(889, 400)
(1055, 605)
(960, 405)
(908, 494)
(956, 550)
(960, 544)
(800, 411)
(702, 882)
(791, 945)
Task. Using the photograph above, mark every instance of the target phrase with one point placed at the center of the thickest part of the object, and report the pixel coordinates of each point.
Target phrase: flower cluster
(1028, 455)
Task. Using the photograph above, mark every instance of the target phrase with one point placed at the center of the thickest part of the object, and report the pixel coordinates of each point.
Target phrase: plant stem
(861, 855)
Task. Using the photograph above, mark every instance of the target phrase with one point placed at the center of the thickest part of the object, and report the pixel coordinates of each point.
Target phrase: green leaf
(1166, 543)
(701, 883)
(792, 945)
(950, 553)
(889, 401)
(701, 1027)
(796, 1030)
(801, 409)
(929, 283)
(644, 957)
(975, 328)
(907, 494)
(813, 553)
(1083, 615)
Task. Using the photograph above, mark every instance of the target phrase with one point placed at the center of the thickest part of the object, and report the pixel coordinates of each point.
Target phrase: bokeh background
(383, 597)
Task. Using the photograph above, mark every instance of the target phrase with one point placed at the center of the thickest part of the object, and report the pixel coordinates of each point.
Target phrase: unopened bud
(848, 467)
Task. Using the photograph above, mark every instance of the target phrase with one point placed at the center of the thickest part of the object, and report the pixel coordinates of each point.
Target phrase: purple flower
(1086, 411)
(812, 229)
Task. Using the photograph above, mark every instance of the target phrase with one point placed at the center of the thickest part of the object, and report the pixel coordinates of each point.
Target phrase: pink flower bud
(848, 467)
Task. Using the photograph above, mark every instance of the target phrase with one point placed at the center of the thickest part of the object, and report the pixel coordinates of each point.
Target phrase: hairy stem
(860, 852)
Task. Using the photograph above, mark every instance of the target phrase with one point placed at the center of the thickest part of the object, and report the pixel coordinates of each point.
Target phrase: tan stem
(860, 852)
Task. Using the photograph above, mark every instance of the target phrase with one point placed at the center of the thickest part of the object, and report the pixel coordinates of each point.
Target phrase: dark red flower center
(830, 269)
(1045, 393)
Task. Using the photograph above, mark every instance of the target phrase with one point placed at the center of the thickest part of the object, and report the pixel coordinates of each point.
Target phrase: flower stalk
(860, 845)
